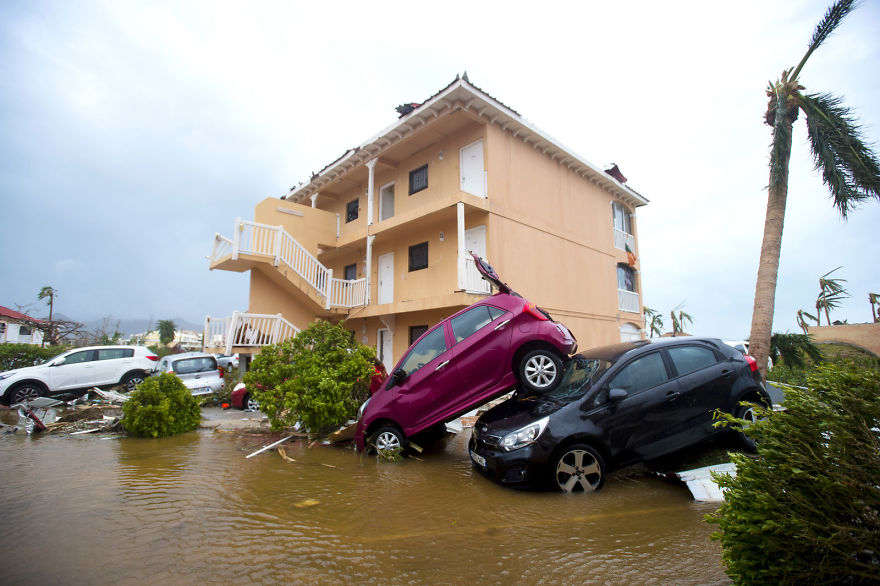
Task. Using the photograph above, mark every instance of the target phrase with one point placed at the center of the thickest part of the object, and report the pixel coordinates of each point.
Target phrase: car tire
(131, 381)
(578, 468)
(388, 437)
(747, 413)
(25, 392)
(540, 370)
(250, 403)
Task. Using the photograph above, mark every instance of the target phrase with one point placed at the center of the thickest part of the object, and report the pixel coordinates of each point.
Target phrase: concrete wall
(865, 336)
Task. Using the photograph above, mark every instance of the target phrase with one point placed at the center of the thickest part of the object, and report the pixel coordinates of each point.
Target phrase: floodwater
(191, 509)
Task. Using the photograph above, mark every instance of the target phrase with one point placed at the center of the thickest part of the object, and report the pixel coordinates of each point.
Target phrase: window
(418, 256)
(689, 359)
(351, 211)
(415, 332)
(626, 278)
(472, 320)
(24, 331)
(622, 218)
(79, 357)
(386, 202)
(645, 373)
(2, 328)
(351, 272)
(431, 346)
(191, 365)
(418, 179)
(113, 353)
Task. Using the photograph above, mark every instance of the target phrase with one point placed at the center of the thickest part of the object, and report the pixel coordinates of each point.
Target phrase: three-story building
(380, 237)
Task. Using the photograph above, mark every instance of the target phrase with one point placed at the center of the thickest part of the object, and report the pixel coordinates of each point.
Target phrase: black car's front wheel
(579, 468)
(540, 370)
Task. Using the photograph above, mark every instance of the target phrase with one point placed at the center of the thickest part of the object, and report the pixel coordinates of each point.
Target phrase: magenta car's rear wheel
(540, 370)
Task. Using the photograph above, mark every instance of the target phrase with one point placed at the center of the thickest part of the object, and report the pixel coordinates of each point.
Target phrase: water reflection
(191, 509)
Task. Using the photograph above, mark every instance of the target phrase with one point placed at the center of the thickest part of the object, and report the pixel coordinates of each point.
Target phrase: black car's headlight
(523, 436)
(362, 407)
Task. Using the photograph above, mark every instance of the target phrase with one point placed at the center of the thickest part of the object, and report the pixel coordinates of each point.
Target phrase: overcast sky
(131, 132)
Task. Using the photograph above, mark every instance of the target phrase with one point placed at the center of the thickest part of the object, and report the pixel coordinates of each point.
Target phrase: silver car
(198, 371)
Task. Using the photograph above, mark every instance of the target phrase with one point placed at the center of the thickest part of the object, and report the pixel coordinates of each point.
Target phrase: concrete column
(462, 253)
(368, 270)
(370, 182)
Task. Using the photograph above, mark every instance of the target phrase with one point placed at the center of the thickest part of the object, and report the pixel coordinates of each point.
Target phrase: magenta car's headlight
(523, 436)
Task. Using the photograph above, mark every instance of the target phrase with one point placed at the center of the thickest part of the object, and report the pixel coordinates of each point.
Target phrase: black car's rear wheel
(579, 468)
(540, 370)
(746, 413)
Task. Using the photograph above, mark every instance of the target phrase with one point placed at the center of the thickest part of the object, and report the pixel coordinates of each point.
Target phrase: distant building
(188, 340)
(17, 328)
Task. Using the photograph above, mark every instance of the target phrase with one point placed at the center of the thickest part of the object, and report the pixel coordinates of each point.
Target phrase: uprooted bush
(319, 378)
(159, 407)
(807, 508)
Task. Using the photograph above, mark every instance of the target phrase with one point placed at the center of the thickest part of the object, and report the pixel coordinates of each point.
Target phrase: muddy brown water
(192, 509)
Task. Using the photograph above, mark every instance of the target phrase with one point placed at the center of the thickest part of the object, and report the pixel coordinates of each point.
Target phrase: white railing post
(206, 331)
(328, 287)
(230, 332)
(236, 238)
(276, 327)
(279, 232)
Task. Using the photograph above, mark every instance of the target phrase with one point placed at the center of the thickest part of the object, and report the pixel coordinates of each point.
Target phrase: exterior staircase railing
(273, 242)
(246, 330)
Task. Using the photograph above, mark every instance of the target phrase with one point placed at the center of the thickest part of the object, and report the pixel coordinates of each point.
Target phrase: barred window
(418, 179)
(351, 211)
(418, 256)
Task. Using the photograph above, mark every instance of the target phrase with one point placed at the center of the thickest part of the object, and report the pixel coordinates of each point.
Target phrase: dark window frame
(352, 266)
(418, 179)
(416, 263)
(351, 210)
(415, 332)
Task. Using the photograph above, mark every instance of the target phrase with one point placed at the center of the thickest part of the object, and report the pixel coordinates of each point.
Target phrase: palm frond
(791, 349)
(849, 167)
(832, 19)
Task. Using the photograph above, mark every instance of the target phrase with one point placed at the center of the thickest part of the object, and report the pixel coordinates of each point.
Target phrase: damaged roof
(460, 95)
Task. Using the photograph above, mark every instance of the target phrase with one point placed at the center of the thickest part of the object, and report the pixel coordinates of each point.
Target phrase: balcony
(245, 332)
(254, 244)
(622, 239)
(628, 301)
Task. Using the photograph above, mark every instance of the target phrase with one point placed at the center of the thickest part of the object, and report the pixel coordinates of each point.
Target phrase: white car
(77, 369)
(198, 371)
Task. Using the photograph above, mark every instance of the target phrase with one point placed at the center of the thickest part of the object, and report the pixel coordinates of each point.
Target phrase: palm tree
(801, 314)
(654, 320)
(874, 299)
(849, 168)
(831, 292)
(166, 329)
(678, 321)
(51, 294)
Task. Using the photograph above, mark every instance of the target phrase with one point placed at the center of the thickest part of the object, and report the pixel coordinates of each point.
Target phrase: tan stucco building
(380, 236)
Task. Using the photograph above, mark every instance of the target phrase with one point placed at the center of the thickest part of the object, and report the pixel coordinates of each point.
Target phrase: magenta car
(470, 358)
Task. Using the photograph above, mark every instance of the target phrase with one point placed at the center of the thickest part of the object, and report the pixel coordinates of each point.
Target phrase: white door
(385, 346)
(473, 176)
(386, 278)
(475, 240)
(386, 202)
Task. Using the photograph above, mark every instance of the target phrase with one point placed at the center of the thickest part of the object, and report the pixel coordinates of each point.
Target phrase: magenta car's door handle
(441, 365)
(502, 324)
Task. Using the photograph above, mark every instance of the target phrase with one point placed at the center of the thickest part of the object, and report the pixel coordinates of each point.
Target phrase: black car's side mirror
(617, 395)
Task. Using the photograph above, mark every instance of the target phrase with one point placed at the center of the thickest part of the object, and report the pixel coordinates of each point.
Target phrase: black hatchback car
(616, 405)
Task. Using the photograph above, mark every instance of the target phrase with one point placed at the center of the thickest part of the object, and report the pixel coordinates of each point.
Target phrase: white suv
(80, 368)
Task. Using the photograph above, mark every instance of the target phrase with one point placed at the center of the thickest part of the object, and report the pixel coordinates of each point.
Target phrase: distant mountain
(128, 327)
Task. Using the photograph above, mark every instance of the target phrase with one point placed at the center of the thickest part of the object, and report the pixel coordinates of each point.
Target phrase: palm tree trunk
(768, 267)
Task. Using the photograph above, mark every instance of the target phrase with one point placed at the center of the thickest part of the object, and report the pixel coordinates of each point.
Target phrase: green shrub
(231, 377)
(159, 407)
(318, 378)
(807, 508)
(14, 356)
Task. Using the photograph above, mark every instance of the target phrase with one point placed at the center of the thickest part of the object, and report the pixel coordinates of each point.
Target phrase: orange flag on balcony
(630, 256)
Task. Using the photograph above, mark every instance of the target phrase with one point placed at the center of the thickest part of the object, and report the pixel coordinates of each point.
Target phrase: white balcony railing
(274, 242)
(246, 330)
(621, 239)
(472, 280)
(628, 301)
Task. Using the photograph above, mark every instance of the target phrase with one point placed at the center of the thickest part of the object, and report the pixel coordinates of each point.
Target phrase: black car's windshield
(580, 374)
